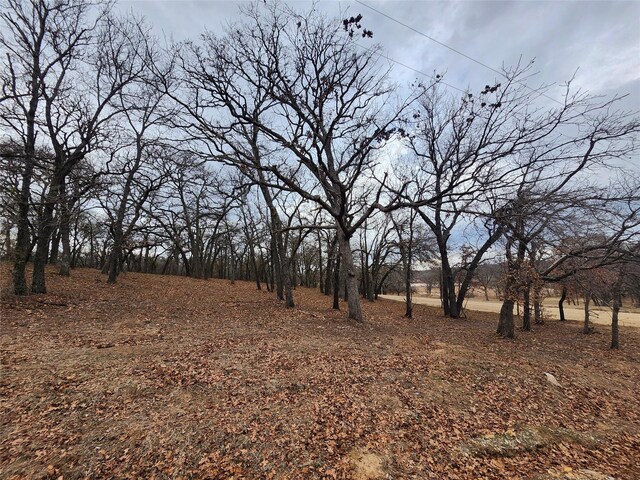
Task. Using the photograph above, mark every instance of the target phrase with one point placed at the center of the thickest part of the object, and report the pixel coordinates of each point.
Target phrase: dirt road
(599, 315)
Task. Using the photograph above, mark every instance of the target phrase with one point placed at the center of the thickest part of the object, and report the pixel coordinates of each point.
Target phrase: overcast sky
(599, 39)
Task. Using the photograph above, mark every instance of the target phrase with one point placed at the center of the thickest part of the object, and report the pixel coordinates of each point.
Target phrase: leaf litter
(169, 377)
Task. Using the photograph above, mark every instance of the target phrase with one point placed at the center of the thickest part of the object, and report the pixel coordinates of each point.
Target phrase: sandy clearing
(602, 317)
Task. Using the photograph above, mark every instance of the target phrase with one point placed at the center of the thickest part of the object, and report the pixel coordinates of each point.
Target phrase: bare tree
(324, 110)
(379, 253)
(97, 59)
(135, 164)
(34, 47)
(468, 157)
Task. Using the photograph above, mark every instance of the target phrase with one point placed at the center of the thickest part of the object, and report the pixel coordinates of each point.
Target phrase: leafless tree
(468, 157)
(319, 105)
(65, 63)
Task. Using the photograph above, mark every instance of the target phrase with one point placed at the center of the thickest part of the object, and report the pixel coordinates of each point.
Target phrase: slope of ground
(166, 377)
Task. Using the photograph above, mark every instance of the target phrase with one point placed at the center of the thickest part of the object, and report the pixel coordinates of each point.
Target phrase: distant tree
(379, 253)
(192, 209)
(537, 221)
(136, 165)
(487, 276)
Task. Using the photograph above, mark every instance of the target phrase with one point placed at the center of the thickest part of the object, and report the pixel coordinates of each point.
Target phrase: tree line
(281, 151)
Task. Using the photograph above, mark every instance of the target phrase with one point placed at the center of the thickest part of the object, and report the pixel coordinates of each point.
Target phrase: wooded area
(280, 152)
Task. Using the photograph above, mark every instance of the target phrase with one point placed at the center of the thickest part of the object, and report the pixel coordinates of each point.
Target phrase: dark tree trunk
(537, 312)
(23, 238)
(407, 253)
(147, 260)
(563, 297)
(287, 280)
(450, 306)
(409, 295)
(351, 280)
(365, 270)
(526, 309)
(114, 257)
(55, 247)
(506, 326)
(336, 282)
(617, 303)
(320, 273)
(45, 229)
(65, 232)
(587, 299)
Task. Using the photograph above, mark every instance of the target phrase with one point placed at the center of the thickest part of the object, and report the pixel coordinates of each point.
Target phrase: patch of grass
(512, 442)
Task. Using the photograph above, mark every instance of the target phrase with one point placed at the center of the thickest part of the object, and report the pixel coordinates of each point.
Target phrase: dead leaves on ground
(166, 377)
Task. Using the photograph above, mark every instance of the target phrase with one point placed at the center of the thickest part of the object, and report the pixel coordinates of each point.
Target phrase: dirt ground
(598, 315)
(175, 378)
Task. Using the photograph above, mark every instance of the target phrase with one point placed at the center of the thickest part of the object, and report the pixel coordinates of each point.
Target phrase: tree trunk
(277, 268)
(617, 303)
(286, 281)
(506, 327)
(232, 264)
(537, 304)
(409, 294)
(450, 305)
(55, 247)
(196, 262)
(351, 280)
(331, 262)
(320, 263)
(146, 257)
(65, 232)
(45, 229)
(526, 307)
(65, 259)
(363, 276)
(114, 257)
(336, 283)
(23, 238)
(587, 300)
(563, 297)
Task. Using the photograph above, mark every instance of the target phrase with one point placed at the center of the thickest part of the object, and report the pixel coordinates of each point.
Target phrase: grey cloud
(600, 37)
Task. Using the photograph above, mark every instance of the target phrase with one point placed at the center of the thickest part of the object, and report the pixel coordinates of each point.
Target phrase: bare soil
(168, 377)
(598, 315)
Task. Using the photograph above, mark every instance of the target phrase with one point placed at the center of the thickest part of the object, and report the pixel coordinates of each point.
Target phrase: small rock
(552, 380)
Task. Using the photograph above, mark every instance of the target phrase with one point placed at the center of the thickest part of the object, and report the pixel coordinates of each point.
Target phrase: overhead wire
(455, 50)
(420, 72)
